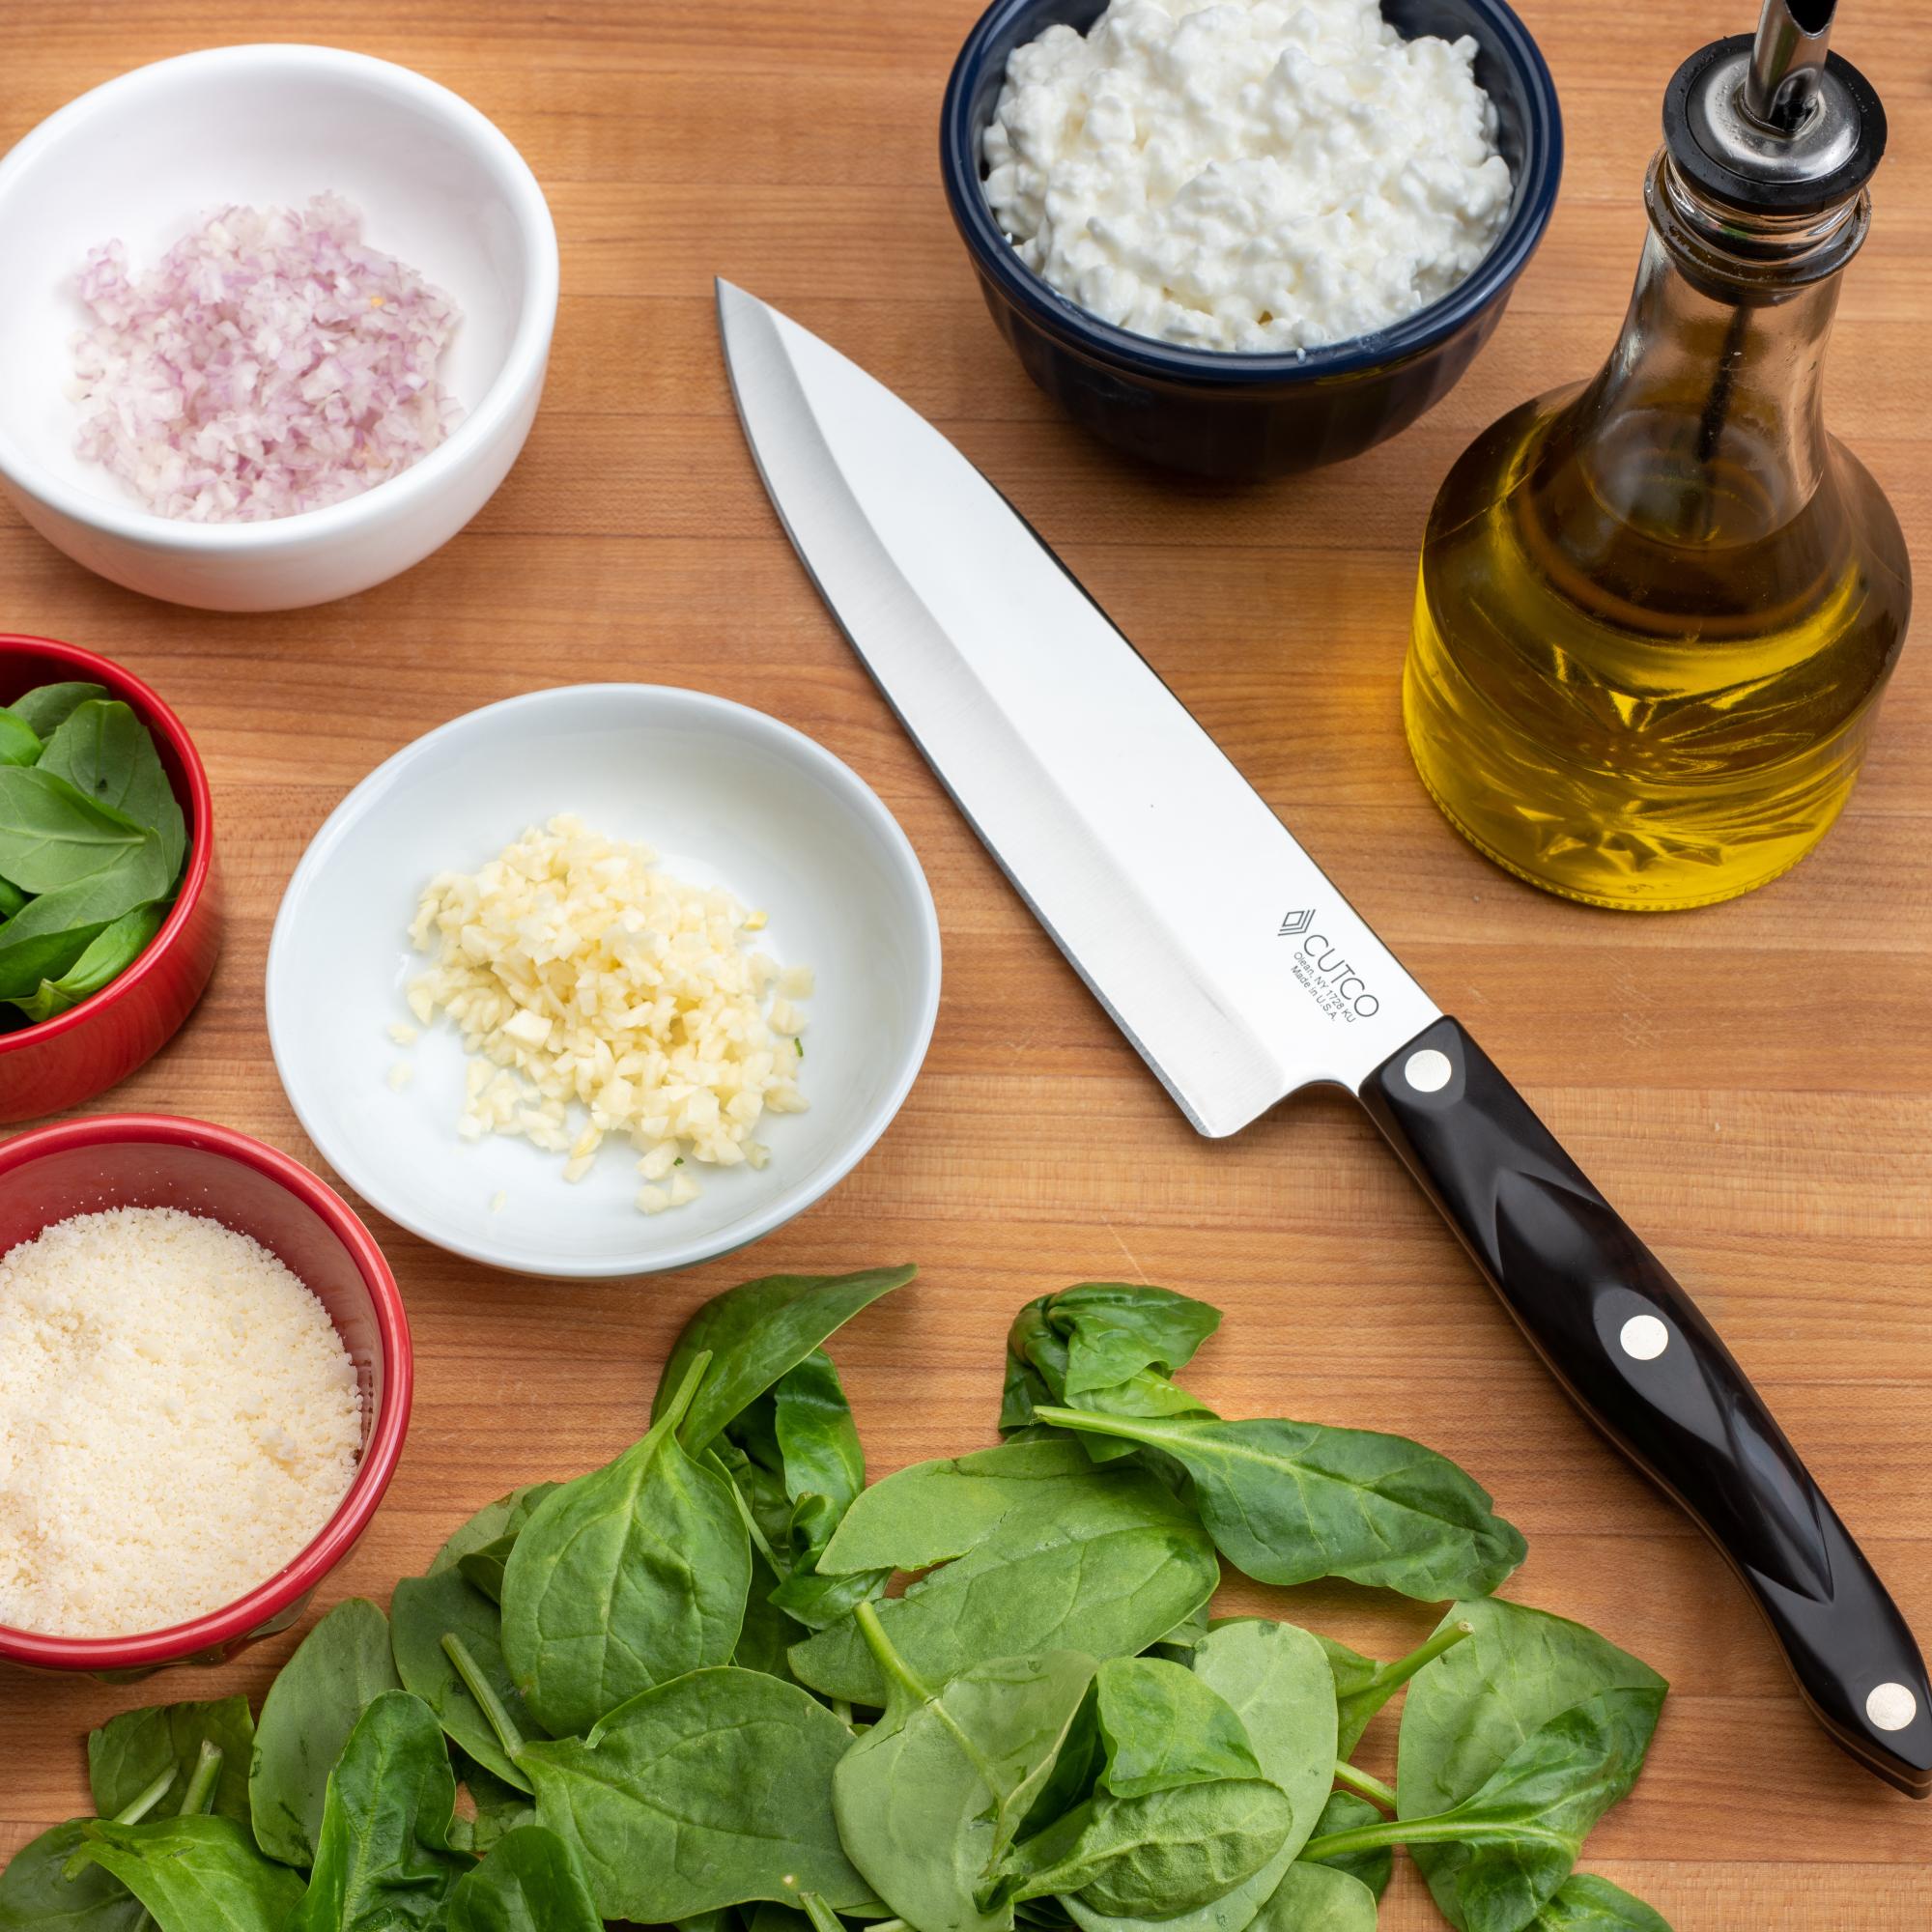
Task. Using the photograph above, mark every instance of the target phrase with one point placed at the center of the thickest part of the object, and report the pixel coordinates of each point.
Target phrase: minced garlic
(580, 976)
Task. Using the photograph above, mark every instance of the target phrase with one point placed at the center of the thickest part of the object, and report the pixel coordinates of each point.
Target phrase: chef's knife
(1241, 975)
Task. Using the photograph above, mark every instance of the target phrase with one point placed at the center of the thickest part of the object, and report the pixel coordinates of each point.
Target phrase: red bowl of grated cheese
(146, 1161)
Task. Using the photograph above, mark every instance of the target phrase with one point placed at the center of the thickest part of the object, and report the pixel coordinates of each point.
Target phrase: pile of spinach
(682, 1689)
(92, 846)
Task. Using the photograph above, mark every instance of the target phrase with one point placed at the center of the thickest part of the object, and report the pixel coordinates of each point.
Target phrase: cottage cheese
(1255, 175)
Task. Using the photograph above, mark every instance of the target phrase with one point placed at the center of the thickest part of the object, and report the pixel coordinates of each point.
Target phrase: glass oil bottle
(1657, 611)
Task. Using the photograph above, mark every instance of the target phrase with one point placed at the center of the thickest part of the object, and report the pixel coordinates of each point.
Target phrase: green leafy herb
(45, 708)
(382, 1861)
(310, 1710)
(128, 1753)
(626, 1577)
(192, 1874)
(529, 1883)
(105, 753)
(753, 1333)
(1290, 1501)
(52, 836)
(104, 958)
(19, 742)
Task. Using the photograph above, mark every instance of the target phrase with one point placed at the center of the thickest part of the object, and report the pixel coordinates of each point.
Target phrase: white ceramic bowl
(141, 158)
(727, 797)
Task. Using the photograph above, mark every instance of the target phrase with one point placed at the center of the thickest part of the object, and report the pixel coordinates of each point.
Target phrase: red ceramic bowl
(155, 1160)
(85, 1051)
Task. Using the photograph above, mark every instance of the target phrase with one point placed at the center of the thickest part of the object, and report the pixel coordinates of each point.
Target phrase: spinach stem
(885, 1656)
(1449, 1828)
(823, 1918)
(759, 1541)
(201, 1784)
(1365, 1784)
(673, 1419)
(138, 1807)
(484, 1691)
(1389, 1676)
(842, 1711)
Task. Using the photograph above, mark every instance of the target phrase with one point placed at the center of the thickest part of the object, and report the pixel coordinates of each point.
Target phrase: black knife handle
(1645, 1366)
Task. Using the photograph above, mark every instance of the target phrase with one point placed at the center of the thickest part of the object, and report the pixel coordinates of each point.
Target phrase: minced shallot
(271, 362)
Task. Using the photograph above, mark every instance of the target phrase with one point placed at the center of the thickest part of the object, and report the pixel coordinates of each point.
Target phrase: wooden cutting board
(1750, 1084)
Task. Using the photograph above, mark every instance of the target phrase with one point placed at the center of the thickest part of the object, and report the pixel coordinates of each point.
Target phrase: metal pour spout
(1787, 62)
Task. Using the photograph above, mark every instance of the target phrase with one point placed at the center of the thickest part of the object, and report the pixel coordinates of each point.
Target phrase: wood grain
(1751, 1082)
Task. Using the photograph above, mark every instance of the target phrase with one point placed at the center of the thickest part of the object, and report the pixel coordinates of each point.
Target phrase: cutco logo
(1325, 970)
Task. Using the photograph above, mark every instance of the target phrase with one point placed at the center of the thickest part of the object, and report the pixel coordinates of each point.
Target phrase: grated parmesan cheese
(582, 978)
(177, 1421)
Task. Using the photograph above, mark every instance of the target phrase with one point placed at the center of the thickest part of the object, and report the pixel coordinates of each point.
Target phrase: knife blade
(1241, 975)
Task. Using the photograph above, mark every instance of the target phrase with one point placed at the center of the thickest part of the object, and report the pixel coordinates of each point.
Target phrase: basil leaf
(714, 1789)
(1103, 1562)
(19, 742)
(931, 1798)
(49, 935)
(37, 1895)
(193, 1874)
(106, 956)
(382, 1859)
(624, 1579)
(311, 1708)
(51, 836)
(129, 1752)
(754, 1333)
(422, 1611)
(1286, 1502)
(49, 707)
(108, 754)
(529, 1883)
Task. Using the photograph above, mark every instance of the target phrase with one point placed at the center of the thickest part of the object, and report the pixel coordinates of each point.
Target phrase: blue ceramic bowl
(1219, 414)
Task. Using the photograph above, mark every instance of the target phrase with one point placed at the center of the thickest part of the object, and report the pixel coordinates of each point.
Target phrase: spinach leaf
(1470, 1709)
(193, 1874)
(1161, 1726)
(106, 956)
(529, 1883)
(1290, 1501)
(1362, 1685)
(713, 1789)
(754, 1333)
(51, 835)
(19, 742)
(105, 753)
(306, 1719)
(47, 707)
(1345, 1812)
(929, 1799)
(626, 1577)
(422, 1611)
(382, 1860)
(486, 1525)
(487, 1808)
(1275, 1680)
(1588, 1903)
(1500, 1856)
(1316, 1898)
(129, 1752)
(1110, 1346)
(12, 900)
(765, 1641)
(1167, 1851)
(47, 936)
(1104, 1563)
(483, 1566)
(36, 1894)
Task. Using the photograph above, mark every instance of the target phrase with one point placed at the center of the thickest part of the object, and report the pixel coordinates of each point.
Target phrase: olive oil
(1656, 612)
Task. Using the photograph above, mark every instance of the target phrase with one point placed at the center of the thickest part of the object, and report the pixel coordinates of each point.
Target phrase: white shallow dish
(142, 158)
(727, 797)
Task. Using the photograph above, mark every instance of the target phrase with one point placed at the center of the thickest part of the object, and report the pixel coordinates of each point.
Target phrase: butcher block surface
(1752, 1085)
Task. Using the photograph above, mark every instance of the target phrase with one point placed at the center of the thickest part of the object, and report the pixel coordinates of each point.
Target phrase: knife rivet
(1891, 1707)
(1428, 1072)
(1644, 1338)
